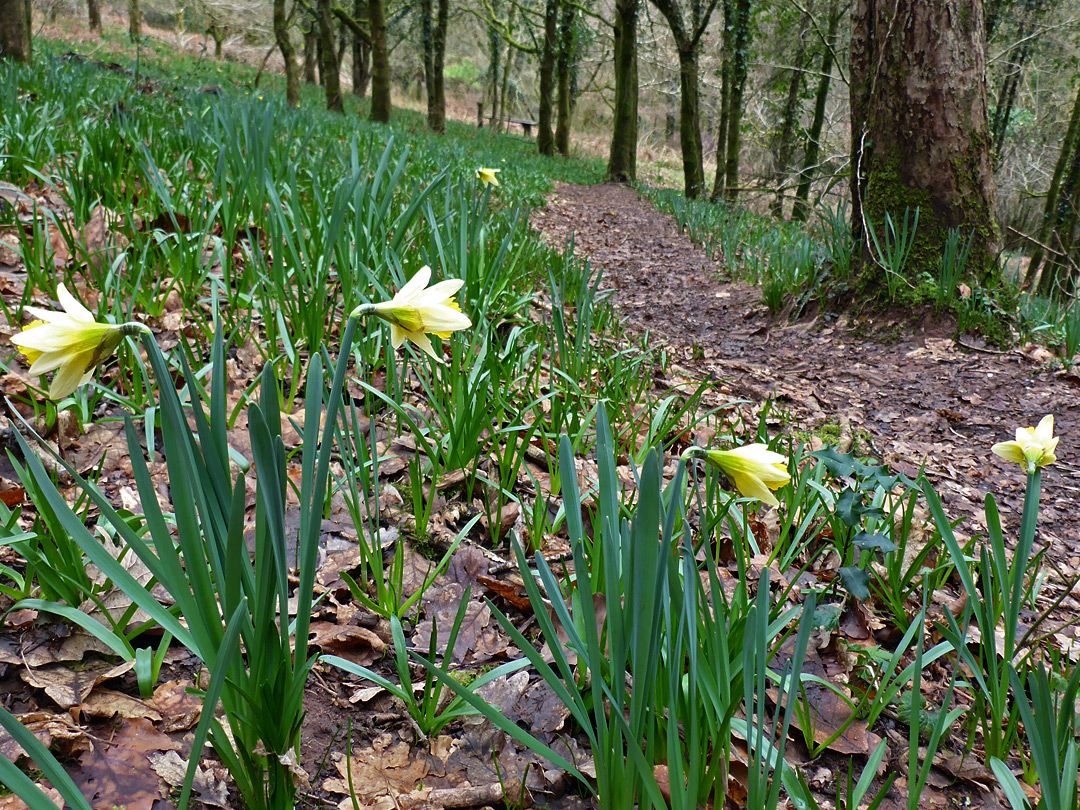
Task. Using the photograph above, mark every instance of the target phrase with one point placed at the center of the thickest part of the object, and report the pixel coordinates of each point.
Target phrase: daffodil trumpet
(754, 469)
(419, 310)
(70, 342)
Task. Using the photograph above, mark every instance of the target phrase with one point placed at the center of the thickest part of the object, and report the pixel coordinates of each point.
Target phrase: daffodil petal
(397, 335)
(421, 340)
(414, 286)
(1010, 451)
(72, 306)
(72, 374)
(752, 487)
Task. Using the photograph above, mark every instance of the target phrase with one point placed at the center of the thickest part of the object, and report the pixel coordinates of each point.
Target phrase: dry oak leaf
(49, 729)
(69, 688)
(179, 709)
(117, 772)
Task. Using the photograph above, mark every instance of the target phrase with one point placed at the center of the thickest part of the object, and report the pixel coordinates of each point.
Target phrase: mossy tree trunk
(1062, 196)
(687, 27)
(380, 63)
(785, 138)
(545, 138)
(134, 19)
(311, 49)
(801, 209)
(566, 70)
(14, 31)
(919, 135)
(729, 148)
(434, 22)
(328, 63)
(622, 157)
(93, 11)
(361, 53)
(288, 54)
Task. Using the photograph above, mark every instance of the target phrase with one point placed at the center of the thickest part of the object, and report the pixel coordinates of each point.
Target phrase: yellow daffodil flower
(71, 341)
(1034, 447)
(754, 469)
(487, 176)
(418, 311)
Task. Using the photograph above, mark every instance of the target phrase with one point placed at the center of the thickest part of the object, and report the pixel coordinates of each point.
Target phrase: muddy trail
(909, 395)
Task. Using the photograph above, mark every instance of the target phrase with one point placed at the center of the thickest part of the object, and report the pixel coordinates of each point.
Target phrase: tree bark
(690, 124)
(786, 137)
(311, 50)
(687, 35)
(499, 122)
(134, 19)
(801, 210)
(434, 35)
(920, 135)
(728, 186)
(565, 106)
(288, 54)
(494, 54)
(380, 63)
(328, 64)
(545, 138)
(622, 157)
(361, 54)
(14, 31)
(1053, 212)
(93, 11)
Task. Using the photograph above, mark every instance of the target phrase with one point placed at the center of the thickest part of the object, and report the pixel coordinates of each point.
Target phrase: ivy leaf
(855, 581)
(877, 542)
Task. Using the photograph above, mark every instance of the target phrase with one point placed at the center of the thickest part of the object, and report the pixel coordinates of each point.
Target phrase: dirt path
(917, 396)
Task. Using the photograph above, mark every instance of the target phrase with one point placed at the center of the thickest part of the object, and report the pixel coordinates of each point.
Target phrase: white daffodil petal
(752, 487)
(71, 375)
(424, 342)
(438, 293)
(414, 286)
(72, 306)
(397, 335)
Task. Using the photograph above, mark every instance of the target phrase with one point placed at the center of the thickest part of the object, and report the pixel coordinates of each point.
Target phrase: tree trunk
(545, 138)
(1053, 213)
(93, 11)
(134, 19)
(739, 61)
(328, 64)
(801, 210)
(288, 54)
(361, 54)
(14, 31)
(434, 36)
(690, 124)
(500, 123)
(494, 54)
(380, 63)
(1058, 272)
(311, 49)
(565, 105)
(920, 136)
(786, 137)
(622, 157)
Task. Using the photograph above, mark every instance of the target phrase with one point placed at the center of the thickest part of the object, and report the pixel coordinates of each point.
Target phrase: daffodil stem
(1022, 555)
(361, 310)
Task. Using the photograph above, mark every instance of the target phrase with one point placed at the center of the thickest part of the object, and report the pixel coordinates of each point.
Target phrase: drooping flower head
(71, 342)
(1033, 447)
(754, 469)
(418, 311)
(487, 176)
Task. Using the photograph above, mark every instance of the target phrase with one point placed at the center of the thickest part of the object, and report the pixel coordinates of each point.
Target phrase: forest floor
(905, 395)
